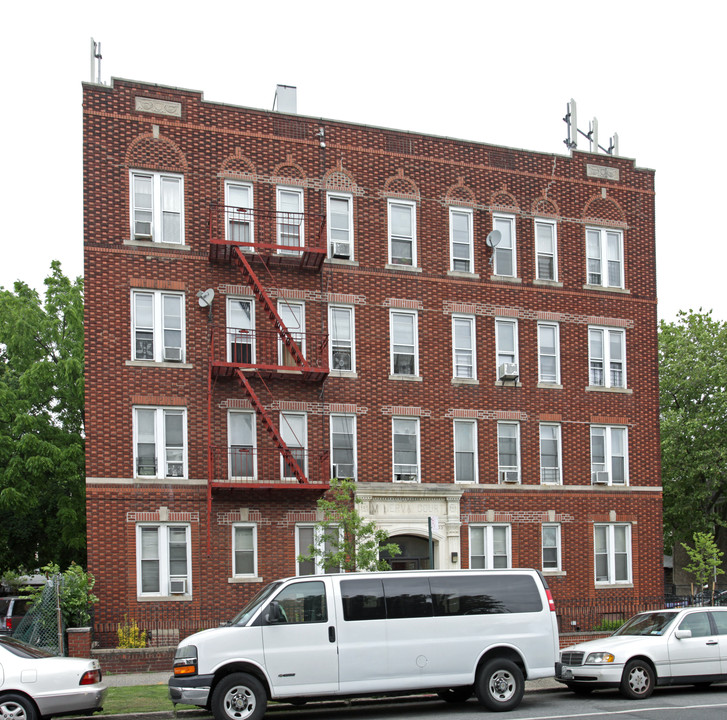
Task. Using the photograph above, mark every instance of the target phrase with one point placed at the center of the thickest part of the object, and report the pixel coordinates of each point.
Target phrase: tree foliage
(345, 540)
(706, 559)
(693, 407)
(42, 486)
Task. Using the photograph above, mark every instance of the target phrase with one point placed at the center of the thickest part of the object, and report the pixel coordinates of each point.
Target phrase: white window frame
(608, 364)
(163, 558)
(339, 234)
(347, 418)
(158, 330)
(230, 445)
(552, 227)
(299, 550)
(463, 428)
(501, 469)
(600, 244)
(289, 310)
(486, 547)
(284, 248)
(555, 328)
(157, 211)
(547, 476)
(414, 469)
(240, 335)
(412, 207)
(333, 326)
(252, 527)
(413, 315)
(609, 455)
(467, 242)
(609, 532)
(233, 214)
(161, 449)
(464, 357)
(287, 432)
(557, 546)
(505, 356)
(506, 225)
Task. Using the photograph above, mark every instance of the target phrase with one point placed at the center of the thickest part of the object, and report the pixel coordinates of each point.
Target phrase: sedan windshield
(654, 623)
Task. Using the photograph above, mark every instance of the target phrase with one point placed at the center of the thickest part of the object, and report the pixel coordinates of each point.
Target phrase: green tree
(42, 487)
(706, 559)
(693, 407)
(347, 541)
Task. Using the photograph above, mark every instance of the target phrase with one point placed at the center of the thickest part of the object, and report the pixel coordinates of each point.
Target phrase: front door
(698, 655)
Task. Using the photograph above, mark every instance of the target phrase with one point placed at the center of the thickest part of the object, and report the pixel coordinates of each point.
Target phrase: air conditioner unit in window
(334, 470)
(509, 476)
(508, 371)
(142, 230)
(178, 586)
(173, 354)
(600, 477)
(341, 250)
(405, 477)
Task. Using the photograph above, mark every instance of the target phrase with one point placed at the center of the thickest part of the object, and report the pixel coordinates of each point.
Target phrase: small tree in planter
(706, 560)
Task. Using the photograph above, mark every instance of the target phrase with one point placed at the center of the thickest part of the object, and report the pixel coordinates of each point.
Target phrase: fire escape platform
(224, 370)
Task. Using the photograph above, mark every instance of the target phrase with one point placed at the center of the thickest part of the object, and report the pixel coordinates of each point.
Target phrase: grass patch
(139, 699)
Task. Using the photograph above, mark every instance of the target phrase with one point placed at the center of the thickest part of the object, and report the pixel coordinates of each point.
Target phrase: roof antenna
(95, 61)
(571, 142)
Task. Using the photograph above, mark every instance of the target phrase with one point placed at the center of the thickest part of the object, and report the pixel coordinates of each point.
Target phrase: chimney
(286, 99)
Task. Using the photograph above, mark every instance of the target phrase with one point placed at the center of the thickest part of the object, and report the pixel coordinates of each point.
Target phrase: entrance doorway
(414, 553)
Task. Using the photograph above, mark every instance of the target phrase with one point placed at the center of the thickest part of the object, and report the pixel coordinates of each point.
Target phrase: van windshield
(243, 617)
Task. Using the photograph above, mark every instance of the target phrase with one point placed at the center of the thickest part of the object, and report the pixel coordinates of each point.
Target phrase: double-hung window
(551, 468)
(546, 250)
(157, 326)
(163, 560)
(244, 550)
(465, 451)
(606, 357)
(319, 542)
(405, 443)
(240, 330)
(294, 431)
(341, 338)
(612, 552)
(291, 227)
(505, 257)
(604, 257)
(551, 547)
(402, 233)
(490, 546)
(609, 455)
(506, 347)
(242, 444)
(548, 353)
(508, 452)
(343, 446)
(404, 342)
(340, 226)
(461, 240)
(157, 207)
(463, 346)
(239, 213)
(160, 442)
(292, 313)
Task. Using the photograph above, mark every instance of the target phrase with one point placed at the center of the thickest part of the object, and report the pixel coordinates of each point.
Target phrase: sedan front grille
(572, 658)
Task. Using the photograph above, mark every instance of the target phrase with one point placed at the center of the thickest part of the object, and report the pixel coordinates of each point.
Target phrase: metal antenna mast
(571, 142)
(95, 61)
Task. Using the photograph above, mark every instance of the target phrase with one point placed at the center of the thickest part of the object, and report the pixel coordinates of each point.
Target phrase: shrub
(131, 635)
(609, 625)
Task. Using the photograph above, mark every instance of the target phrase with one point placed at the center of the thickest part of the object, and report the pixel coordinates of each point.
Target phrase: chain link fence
(43, 624)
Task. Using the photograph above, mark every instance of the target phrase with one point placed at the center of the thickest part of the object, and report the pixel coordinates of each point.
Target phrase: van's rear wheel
(239, 697)
(500, 685)
(456, 695)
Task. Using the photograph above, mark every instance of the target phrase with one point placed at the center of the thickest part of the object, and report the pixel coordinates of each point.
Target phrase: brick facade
(134, 126)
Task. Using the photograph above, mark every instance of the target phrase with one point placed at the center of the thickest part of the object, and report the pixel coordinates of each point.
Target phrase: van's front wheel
(239, 697)
(500, 685)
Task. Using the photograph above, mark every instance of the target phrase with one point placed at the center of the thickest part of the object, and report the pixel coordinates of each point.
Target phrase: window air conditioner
(600, 477)
(405, 477)
(509, 476)
(142, 230)
(173, 354)
(508, 371)
(178, 586)
(341, 250)
(334, 471)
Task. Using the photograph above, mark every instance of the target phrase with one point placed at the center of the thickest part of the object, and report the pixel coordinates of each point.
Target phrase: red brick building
(365, 321)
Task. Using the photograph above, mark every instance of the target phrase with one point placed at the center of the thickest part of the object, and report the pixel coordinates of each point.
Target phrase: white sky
(489, 71)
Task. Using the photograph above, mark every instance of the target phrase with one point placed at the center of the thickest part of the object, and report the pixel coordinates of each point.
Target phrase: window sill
(407, 378)
(159, 245)
(612, 586)
(609, 486)
(601, 288)
(617, 390)
(548, 283)
(463, 275)
(508, 383)
(405, 268)
(465, 381)
(164, 598)
(350, 374)
(507, 279)
(155, 364)
(341, 261)
(554, 573)
(549, 386)
(246, 579)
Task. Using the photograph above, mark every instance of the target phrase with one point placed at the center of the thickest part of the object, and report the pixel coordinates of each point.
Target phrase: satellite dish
(493, 239)
(206, 297)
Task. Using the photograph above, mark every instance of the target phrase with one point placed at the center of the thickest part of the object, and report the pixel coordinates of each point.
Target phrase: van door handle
(331, 634)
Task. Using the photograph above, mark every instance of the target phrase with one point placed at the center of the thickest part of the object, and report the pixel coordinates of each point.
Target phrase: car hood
(614, 643)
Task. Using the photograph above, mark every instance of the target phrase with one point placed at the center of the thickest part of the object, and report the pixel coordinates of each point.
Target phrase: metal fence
(43, 624)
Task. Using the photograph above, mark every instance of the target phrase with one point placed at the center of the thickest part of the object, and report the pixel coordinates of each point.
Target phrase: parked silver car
(34, 683)
(678, 646)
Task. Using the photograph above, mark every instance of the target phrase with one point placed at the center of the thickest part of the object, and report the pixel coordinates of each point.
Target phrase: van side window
(363, 600)
(303, 602)
(484, 594)
(407, 597)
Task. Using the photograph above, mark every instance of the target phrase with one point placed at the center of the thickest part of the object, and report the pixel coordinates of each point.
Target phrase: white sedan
(34, 683)
(681, 646)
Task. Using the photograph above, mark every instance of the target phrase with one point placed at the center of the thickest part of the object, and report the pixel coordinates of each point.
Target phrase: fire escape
(256, 242)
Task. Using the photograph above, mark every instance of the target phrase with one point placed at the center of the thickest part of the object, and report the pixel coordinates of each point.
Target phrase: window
(406, 449)
(341, 333)
(163, 560)
(549, 353)
(460, 238)
(156, 207)
(313, 536)
(546, 244)
(240, 330)
(465, 451)
(239, 213)
(404, 343)
(157, 326)
(606, 357)
(340, 226)
(160, 445)
(244, 550)
(508, 452)
(612, 551)
(505, 261)
(506, 349)
(241, 431)
(550, 454)
(609, 455)
(551, 546)
(294, 431)
(291, 230)
(402, 233)
(343, 446)
(490, 546)
(298, 604)
(293, 316)
(463, 346)
(604, 257)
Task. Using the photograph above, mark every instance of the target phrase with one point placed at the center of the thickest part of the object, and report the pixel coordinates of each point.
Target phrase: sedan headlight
(599, 658)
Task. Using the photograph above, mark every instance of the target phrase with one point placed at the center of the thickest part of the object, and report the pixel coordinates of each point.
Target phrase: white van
(324, 636)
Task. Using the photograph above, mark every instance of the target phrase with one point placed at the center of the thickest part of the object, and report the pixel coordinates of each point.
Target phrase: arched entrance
(414, 553)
